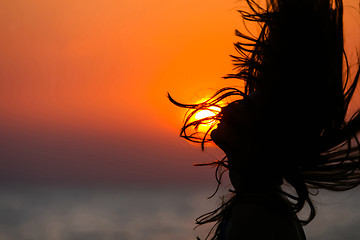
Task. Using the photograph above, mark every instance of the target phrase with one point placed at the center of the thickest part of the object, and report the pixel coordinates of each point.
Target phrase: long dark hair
(298, 62)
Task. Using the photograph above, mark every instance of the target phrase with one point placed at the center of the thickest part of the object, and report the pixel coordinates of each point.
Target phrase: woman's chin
(214, 134)
(217, 135)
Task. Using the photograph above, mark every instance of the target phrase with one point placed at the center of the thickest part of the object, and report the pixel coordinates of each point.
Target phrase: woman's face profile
(235, 130)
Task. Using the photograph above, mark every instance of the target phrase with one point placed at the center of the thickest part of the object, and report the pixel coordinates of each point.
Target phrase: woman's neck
(251, 179)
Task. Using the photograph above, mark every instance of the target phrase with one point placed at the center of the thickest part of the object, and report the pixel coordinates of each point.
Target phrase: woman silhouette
(290, 124)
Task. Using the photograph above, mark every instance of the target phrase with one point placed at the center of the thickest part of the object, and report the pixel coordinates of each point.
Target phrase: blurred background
(89, 145)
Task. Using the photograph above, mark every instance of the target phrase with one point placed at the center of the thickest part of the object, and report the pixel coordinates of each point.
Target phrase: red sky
(83, 86)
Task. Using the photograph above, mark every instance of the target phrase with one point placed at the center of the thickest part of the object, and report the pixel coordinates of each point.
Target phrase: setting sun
(207, 113)
(203, 114)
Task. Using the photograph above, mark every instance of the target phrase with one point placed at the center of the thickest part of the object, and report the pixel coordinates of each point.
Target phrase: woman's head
(235, 129)
(296, 63)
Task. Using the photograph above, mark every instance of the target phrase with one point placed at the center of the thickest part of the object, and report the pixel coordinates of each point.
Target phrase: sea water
(141, 213)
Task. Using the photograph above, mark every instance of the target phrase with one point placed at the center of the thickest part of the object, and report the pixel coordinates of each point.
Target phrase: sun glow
(203, 114)
(207, 113)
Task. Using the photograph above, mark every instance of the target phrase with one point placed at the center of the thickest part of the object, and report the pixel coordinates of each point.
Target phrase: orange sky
(79, 77)
(99, 63)
(82, 78)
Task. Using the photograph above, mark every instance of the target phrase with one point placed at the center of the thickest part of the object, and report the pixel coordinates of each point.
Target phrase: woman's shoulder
(262, 220)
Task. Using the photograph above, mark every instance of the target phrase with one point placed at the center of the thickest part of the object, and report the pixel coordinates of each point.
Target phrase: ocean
(31, 212)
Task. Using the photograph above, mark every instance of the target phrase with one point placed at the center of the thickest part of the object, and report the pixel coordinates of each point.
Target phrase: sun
(207, 113)
(202, 114)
